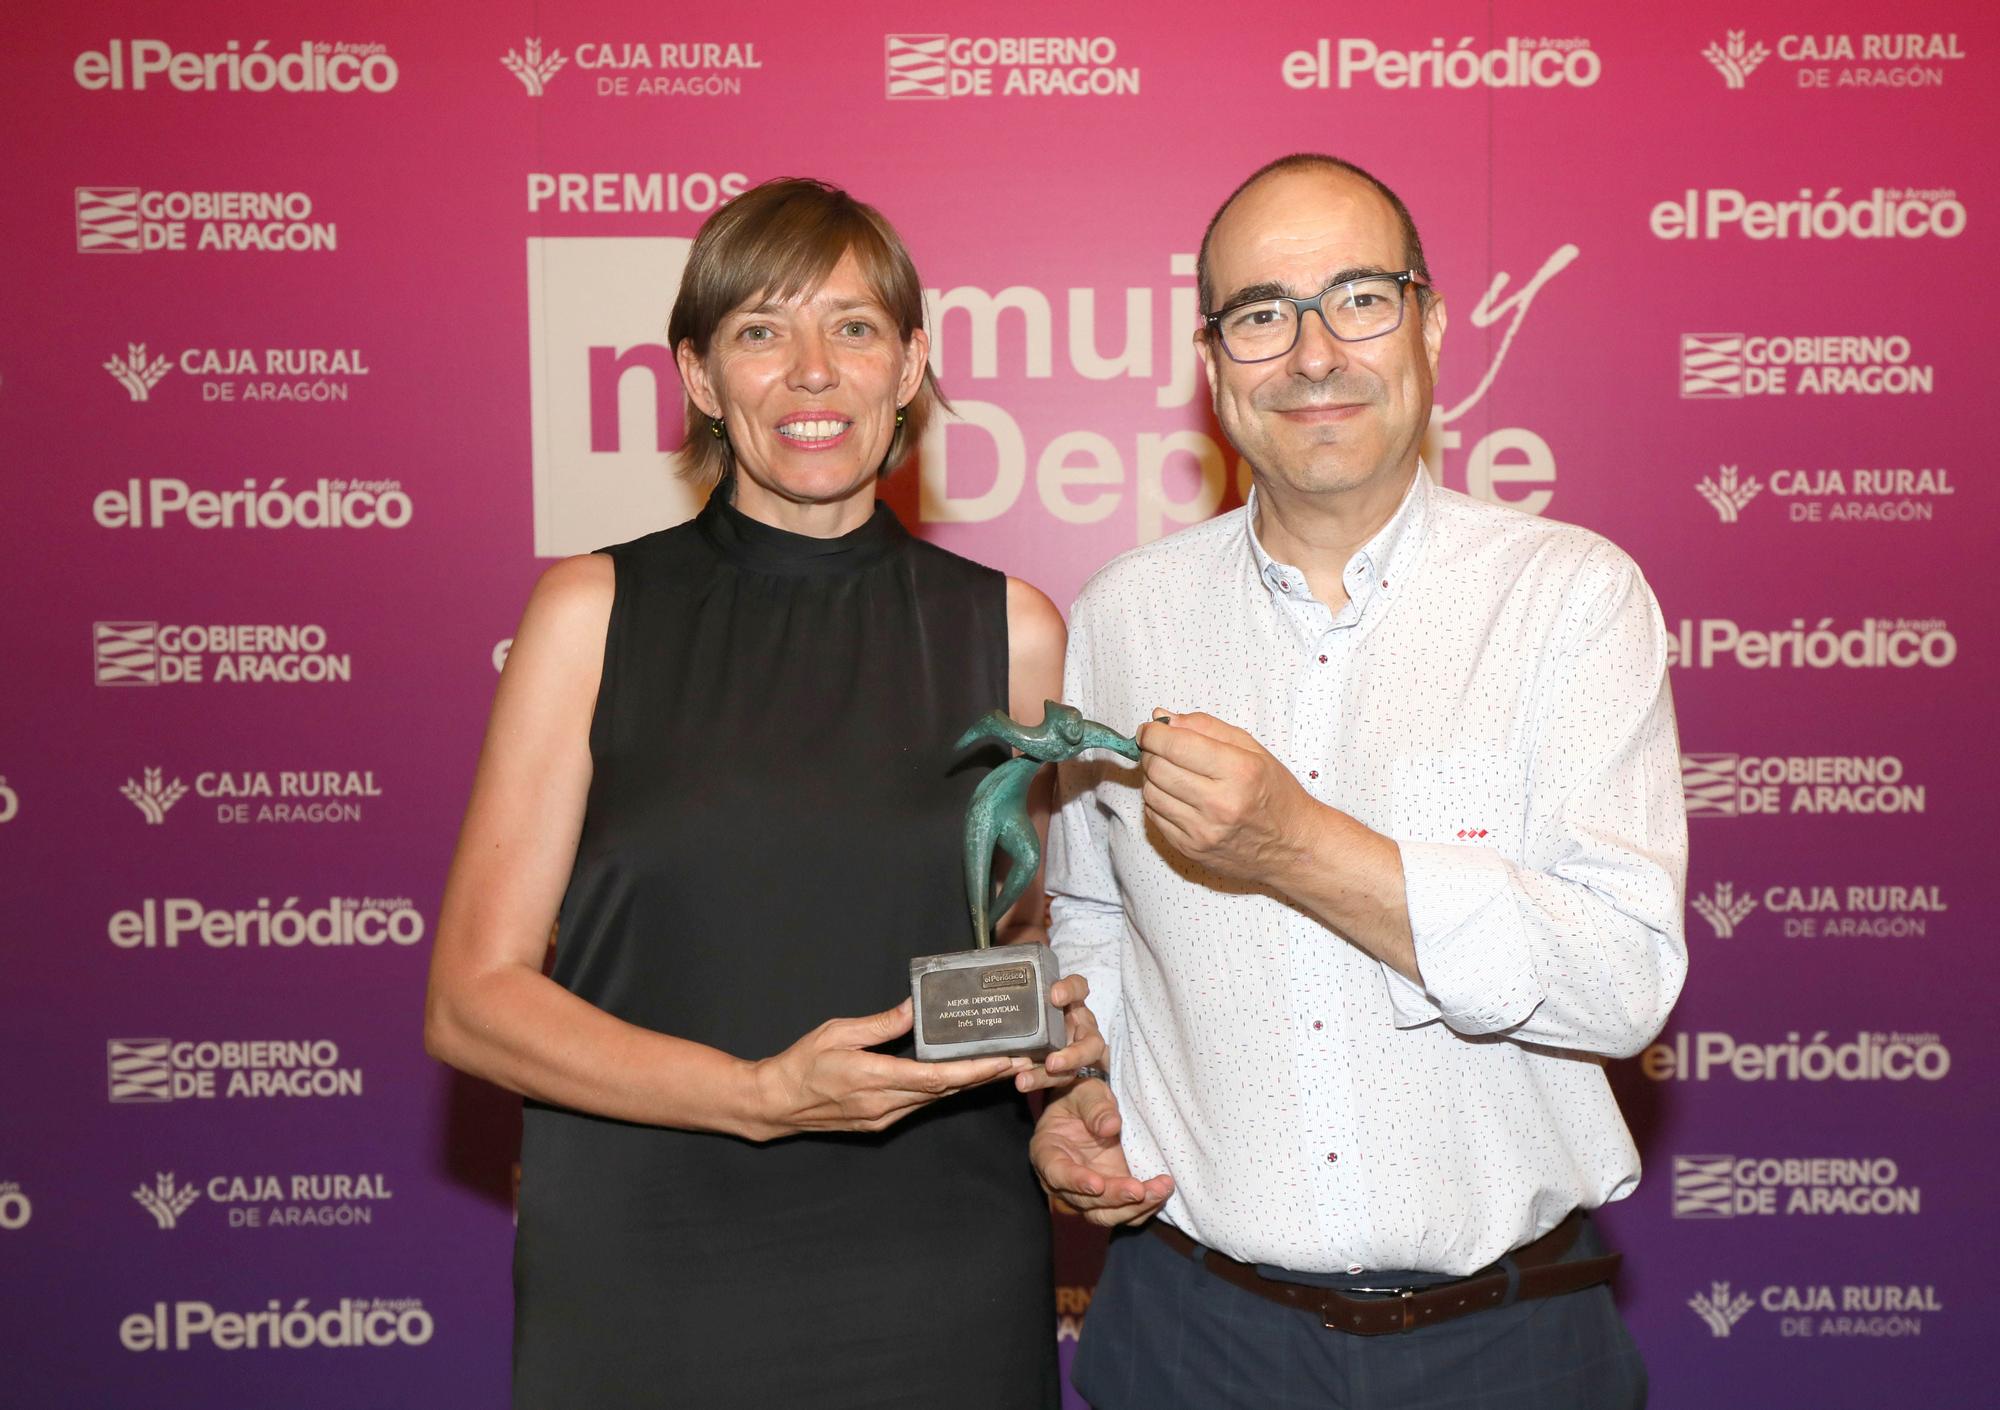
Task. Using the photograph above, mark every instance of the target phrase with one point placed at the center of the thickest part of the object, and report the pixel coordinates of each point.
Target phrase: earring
(715, 427)
(901, 412)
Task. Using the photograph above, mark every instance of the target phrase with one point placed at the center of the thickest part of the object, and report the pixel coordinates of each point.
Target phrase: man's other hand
(1076, 1153)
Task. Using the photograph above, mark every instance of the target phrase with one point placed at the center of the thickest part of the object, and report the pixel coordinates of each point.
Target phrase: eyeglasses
(1354, 311)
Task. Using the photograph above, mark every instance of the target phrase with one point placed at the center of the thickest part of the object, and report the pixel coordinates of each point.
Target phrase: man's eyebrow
(1250, 293)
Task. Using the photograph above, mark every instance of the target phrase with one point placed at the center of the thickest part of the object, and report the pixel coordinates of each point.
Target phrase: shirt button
(1312, 773)
(1322, 660)
(1318, 1024)
(1354, 1268)
(1333, 1157)
(1385, 582)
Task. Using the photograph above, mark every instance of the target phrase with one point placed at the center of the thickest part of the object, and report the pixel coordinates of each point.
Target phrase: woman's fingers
(872, 1029)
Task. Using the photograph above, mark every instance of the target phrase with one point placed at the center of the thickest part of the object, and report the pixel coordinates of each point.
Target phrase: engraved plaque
(977, 1003)
(963, 1004)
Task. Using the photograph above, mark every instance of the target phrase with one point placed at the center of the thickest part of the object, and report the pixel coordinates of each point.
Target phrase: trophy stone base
(986, 1003)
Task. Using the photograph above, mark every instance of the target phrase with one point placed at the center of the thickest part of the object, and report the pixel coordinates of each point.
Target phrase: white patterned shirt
(1493, 697)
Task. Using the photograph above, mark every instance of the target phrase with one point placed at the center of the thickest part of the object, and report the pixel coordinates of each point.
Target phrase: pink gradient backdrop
(473, 381)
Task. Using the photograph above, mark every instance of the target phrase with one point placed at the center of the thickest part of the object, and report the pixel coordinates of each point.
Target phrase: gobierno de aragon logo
(1729, 366)
(170, 653)
(131, 220)
(1752, 785)
(1031, 66)
(152, 1070)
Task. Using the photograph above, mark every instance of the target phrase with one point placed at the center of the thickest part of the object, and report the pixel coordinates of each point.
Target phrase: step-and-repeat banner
(328, 325)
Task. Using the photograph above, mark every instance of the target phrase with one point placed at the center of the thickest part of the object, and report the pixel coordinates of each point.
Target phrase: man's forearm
(1351, 878)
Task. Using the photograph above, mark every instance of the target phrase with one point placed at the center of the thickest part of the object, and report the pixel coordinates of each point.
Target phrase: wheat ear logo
(165, 1200)
(1719, 1309)
(533, 67)
(134, 373)
(153, 797)
(1727, 493)
(1734, 58)
(1723, 909)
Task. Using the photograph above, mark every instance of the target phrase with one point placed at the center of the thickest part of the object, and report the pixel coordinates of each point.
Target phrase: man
(1402, 863)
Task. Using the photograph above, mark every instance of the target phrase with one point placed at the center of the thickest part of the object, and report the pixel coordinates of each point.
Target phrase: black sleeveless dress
(772, 832)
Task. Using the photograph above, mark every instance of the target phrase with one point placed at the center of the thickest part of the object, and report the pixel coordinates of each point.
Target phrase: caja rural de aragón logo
(1824, 911)
(265, 1200)
(1833, 494)
(1825, 62)
(257, 796)
(1822, 1309)
(243, 374)
(638, 68)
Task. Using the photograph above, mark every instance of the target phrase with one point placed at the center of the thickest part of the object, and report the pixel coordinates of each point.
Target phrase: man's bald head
(1413, 247)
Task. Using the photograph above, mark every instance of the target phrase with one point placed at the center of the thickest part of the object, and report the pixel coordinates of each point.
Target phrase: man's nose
(1317, 354)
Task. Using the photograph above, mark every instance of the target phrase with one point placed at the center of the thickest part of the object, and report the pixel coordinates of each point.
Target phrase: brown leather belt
(1536, 1273)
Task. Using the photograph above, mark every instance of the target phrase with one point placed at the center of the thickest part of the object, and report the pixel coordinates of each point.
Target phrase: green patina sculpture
(998, 813)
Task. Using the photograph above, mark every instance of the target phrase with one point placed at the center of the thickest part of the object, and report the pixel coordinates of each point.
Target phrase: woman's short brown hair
(779, 240)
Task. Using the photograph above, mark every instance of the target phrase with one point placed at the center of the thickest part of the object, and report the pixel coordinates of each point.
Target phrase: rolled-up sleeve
(1581, 944)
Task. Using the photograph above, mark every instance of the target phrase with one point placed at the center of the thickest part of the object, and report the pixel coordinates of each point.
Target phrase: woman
(720, 758)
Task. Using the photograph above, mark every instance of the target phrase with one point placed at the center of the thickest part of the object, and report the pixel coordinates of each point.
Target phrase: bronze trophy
(994, 1000)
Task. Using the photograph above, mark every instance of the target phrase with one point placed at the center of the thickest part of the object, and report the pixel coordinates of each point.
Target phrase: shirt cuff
(1479, 976)
(1101, 969)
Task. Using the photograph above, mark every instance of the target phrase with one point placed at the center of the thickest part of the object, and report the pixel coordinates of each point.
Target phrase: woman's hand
(829, 1081)
(1085, 1047)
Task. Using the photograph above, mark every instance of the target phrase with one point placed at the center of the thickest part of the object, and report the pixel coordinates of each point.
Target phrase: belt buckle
(1405, 1294)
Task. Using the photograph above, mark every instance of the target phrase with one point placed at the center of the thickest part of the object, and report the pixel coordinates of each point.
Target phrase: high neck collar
(765, 548)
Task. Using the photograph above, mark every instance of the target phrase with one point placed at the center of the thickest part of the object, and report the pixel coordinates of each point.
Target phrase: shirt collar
(1377, 566)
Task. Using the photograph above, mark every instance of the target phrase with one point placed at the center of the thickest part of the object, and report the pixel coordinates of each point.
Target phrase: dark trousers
(1163, 1333)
